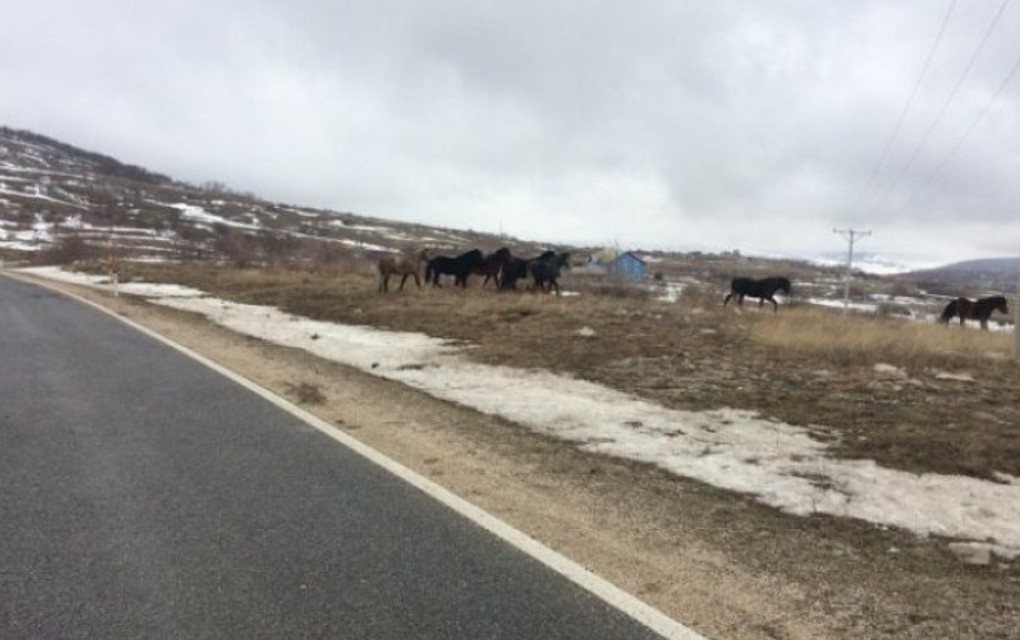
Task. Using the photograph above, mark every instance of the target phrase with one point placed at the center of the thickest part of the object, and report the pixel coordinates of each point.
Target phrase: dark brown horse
(460, 267)
(491, 265)
(979, 310)
(547, 269)
(402, 265)
(516, 268)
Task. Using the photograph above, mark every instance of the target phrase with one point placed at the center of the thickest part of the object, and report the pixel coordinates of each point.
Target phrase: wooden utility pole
(1016, 315)
(851, 235)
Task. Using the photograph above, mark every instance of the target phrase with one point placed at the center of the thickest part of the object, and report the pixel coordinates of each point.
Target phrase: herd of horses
(501, 267)
(505, 270)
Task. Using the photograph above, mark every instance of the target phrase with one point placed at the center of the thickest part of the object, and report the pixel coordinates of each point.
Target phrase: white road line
(603, 589)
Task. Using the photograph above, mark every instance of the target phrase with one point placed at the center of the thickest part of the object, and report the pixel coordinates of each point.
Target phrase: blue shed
(627, 265)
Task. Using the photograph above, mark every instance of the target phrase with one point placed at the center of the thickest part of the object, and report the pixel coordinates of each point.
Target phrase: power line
(906, 109)
(966, 134)
(945, 105)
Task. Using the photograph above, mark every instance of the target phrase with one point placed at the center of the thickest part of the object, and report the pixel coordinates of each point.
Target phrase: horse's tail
(951, 310)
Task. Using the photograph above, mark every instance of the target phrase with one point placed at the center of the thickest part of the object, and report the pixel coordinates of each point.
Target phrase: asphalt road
(142, 495)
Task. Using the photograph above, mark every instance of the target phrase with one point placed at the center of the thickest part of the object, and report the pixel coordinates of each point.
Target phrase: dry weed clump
(856, 340)
(306, 393)
(612, 288)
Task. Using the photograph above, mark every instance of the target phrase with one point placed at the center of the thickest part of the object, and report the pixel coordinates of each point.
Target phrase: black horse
(763, 289)
(491, 265)
(979, 310)
(545, 270)
(516, 268)
(459, 267)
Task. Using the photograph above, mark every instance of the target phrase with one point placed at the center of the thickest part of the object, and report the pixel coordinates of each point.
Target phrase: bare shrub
(69, 249)
(902, 288)
(612, 288)
(236, 247)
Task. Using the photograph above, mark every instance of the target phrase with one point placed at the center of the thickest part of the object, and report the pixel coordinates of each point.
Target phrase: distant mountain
(971, 276)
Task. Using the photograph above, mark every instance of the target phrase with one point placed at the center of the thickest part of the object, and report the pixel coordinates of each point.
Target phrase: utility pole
(851, 235)
(1016, 316)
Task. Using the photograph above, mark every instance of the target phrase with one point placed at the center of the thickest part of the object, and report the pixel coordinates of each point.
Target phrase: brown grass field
(802, 365)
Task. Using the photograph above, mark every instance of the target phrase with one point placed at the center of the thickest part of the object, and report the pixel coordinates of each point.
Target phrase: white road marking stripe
(603, 589)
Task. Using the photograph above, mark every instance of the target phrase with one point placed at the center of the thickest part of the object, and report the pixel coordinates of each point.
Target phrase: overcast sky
(756, 125)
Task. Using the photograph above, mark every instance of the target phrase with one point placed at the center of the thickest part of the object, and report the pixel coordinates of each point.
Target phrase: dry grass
(847, 340)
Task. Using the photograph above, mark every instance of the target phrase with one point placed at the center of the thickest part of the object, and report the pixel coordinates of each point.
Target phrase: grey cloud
(737, 124)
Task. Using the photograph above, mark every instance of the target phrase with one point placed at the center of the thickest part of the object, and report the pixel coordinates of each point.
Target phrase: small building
(627, 265)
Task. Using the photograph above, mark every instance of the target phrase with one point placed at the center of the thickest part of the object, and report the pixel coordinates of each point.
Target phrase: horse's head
(563, 260)
(784, 285)
(1000, 304)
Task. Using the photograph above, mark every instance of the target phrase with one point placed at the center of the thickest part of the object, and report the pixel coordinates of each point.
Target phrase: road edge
(606, 591)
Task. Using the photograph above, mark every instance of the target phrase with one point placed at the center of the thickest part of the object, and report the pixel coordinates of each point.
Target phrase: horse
(403, 265)
(459, 267)
(545, 270)
(516, 268)
(491, 265)
(979, 310)
(763, 289)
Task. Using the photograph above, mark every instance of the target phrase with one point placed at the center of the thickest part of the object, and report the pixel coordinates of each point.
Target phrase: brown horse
(402, 265)
(491, 265)
(979, 310)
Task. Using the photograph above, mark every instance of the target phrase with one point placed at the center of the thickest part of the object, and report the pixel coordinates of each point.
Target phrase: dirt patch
(718, 561)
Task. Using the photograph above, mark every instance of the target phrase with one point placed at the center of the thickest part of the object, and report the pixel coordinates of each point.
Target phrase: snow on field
(367, 246)
(193, 212)
(40, 196)
(860, 307)
(784, 466)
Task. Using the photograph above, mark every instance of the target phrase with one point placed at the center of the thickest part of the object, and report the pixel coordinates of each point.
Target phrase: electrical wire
(945, 106)
(966, 134)
(906, 109)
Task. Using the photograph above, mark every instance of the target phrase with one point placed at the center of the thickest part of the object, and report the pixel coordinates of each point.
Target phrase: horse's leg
(984, 324)
(554, 284)
(775, 305)
(726, 300)
(417, 280)
(403, 279)
(384, 283)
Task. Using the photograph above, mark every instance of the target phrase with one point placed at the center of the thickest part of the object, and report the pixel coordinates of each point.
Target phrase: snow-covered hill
(51, 192)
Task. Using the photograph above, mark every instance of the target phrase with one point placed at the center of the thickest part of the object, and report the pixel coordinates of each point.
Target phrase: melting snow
(194, 212)
(784, 466)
